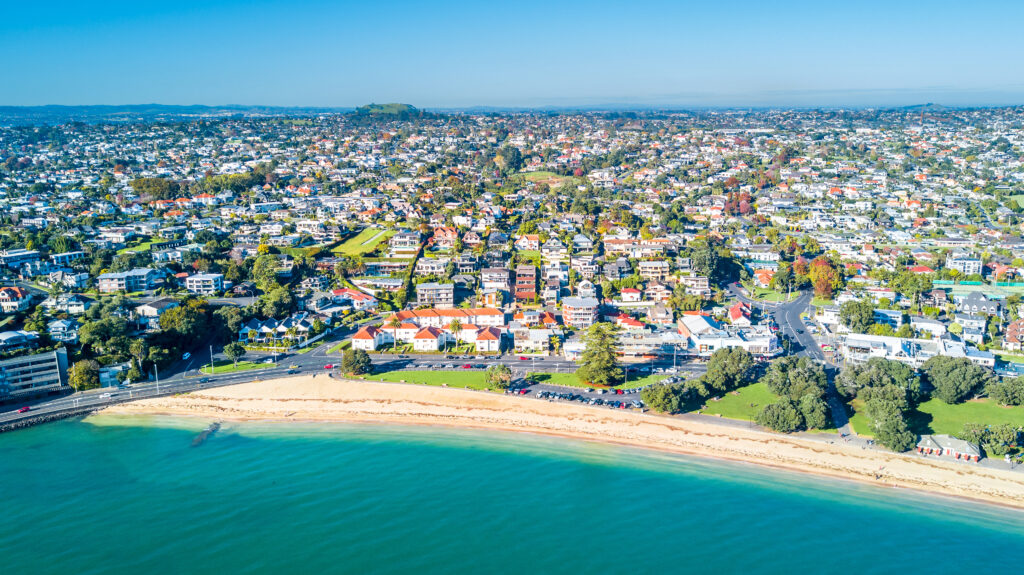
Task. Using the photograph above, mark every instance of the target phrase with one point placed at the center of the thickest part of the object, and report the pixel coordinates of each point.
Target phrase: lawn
(935, 416)
(224, 366)
(769, 295)
(531, 255)
(745, 403)
(364, 242)
(820, 301)
(550, 178)
(139, 248)
(570, 380)
(473, 379)
(1009, 357)
(341, 346)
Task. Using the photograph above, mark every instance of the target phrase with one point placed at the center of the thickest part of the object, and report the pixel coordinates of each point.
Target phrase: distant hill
(387, 110)
(145, 112)
(929, 107)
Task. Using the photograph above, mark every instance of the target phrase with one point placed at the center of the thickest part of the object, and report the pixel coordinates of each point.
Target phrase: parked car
(329, 366)
(25, 409)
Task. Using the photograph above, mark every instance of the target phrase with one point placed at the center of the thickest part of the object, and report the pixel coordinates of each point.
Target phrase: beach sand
(306, 398)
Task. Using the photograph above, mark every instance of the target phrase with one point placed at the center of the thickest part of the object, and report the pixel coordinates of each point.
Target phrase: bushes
(802, 384)
(666, 398)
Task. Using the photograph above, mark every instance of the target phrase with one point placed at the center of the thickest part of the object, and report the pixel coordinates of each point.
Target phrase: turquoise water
(133, 496)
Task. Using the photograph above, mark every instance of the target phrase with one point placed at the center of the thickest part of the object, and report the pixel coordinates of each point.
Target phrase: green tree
(264, 272)
(598, 364)
(499, 376)
(234, 351)
(356, 361)
(1000, 439)
(815, 411)
(892, 432)
(728, 369)
(85, 374)
(795, 377)
(666, 398)
(857, 316)
(782, 416)
(1009, 391)
(954, 379)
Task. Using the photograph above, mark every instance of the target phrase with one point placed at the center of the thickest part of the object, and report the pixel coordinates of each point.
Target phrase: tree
(782, 416)
(598, 364)
(795, 377)
(893, 432)
(666, 398)
(955, 379)
(455, 326)
(139, 350)
(857, 316)
(356, 362)
(728, 369)
(85, 374)
(234, 351)
(815, 411)
(1009, 391)
(1001, 438)
(264, 272)
(499, 376)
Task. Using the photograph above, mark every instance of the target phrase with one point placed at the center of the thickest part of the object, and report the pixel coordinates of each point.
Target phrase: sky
(456, 53)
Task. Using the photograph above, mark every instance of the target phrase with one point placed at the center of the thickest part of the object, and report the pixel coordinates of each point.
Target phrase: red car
(521, 358)
(467, 366)
(329, 366)
(618, 392)
(24, 409)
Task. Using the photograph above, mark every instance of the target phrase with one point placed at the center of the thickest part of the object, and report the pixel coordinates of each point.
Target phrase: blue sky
(451, 53)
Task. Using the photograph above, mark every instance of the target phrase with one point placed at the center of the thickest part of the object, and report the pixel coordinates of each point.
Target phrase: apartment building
(526, 282)
(205, 283)
(33, 375)
(435, 294)
(579, 312)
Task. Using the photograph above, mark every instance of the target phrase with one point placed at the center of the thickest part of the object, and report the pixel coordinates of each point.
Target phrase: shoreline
(308, 399)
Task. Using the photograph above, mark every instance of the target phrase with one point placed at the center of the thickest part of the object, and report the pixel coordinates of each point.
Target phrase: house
(976, 302)
(579, 312)
(763, 278)
(948, 446)
(554, 250)
(739, 315)
(205, 283)
(967, 266)
(68, 303)
(435, 294)
(358, 300)
(528, 242)
(445, 237)
(17, 340)
(431, 339)
(631, 295)
(660, 314)
(63, 330)
(488, 339)
(1014, 335)
(494, 278)
(14, 299)
(890, 317)
(370, 338)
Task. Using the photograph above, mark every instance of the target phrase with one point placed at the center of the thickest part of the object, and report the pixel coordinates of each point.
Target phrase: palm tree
(455, 326)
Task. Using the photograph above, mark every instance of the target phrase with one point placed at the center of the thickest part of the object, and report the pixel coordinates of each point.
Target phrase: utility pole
(156, 372)
(211, 359)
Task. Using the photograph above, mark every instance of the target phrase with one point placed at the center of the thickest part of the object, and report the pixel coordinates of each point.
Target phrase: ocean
(133, 495)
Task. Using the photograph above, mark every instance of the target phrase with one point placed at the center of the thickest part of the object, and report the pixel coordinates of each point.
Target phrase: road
(792, 327)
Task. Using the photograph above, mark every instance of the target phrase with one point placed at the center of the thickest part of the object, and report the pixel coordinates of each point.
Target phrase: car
(204, 380)
(590, 390)
(105, 396)
(479, 357)
(618, 391)
(524, 391)
(523, 358)
(480, 366)
(25, 409)
(292, 371)
(186, 355)
(293, 366)
(467, 366)
(268, 360)
(329, 366)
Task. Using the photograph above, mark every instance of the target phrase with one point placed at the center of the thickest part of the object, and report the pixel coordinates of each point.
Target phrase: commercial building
(33, 375)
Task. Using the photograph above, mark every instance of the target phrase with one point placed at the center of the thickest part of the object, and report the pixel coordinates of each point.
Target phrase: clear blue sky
(452, 53)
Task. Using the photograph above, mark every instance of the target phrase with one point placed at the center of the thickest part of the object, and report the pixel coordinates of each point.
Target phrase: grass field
(473, 379)
(570, 380)
(745, 405)
(364, 242)
(935, 416)
(222, 366)
(550, 178)
(340, 347)
(820, 301)
(769, 295)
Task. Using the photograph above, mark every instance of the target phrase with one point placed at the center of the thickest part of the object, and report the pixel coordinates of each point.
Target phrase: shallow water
(119, 495)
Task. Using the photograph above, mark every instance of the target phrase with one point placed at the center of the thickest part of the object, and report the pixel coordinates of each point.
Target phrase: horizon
(454, 55)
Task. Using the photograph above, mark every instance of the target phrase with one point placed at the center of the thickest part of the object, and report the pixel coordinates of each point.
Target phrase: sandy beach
(306, 398)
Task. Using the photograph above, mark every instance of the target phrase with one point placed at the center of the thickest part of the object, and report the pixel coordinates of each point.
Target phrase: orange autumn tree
(825, 277)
